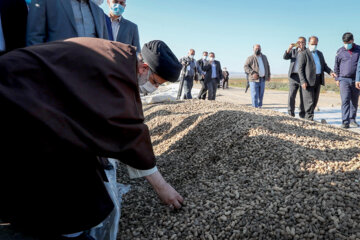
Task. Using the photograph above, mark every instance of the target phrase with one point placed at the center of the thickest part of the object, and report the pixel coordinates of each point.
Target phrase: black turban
(161, 60)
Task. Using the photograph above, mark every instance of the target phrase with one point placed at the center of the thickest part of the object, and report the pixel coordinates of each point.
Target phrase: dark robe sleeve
(82, 92)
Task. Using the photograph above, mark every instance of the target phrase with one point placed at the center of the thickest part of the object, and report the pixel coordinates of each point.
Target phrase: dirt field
(272, 98)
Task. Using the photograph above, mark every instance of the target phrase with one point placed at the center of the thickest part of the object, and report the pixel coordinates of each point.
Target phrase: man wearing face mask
(189, 71)
(311, 70)
(225, 83)
(258, 69)
(52, 20)
(119, 28)
(292, 54)
(346, 61)
(73, 102)
(212, 76)
(201, 63)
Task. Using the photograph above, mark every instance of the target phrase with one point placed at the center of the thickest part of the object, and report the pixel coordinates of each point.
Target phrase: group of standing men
(40, 21)
(207, 70)
(306, 75)
(70, 100)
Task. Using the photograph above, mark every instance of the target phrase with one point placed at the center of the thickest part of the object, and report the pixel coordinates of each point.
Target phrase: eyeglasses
(156, 83)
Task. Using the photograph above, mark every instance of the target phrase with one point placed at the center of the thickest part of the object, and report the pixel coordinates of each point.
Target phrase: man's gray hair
(317, 39)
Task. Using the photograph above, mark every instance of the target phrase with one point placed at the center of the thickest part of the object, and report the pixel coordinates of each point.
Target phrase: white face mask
(98, 2)
(348, 46)
(312, 48)
(205, 57)
(212, 59)
(145, 85)
(148, 87)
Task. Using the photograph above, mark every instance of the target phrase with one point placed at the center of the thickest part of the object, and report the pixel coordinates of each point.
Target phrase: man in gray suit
(121, 29)
(212, 76)
(312, 66)
(51, 20)
(294, 82)
(189, 71)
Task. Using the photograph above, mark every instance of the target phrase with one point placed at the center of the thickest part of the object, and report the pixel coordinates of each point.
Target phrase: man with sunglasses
(292, 54)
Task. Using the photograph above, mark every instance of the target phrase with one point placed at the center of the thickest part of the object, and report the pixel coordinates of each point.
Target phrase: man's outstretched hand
(167, 194)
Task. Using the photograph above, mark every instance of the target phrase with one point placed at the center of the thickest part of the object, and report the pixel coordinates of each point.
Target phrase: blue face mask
(348, 46)
(28, 2)
(117, 9)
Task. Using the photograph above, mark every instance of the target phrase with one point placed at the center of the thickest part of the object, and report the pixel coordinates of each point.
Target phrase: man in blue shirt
(312, 67)
(346, 62)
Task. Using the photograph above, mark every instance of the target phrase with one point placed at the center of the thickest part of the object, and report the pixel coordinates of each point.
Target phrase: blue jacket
(51, 20)
(13, 22)
(128, 33)
(357, 79)
(346, 62)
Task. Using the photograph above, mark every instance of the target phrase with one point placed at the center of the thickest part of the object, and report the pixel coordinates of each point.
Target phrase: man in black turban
(64, 105)
(160, 65)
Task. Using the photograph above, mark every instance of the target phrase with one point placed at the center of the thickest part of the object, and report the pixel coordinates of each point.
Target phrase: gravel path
(246, 174)
(274, 98)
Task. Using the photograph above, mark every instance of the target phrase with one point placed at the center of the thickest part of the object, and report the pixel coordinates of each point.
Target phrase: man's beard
(143, 78)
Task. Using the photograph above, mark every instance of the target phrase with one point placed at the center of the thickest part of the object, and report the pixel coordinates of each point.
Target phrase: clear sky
(230, 28)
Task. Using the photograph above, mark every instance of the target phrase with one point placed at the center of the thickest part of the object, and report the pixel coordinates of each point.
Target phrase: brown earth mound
(246, 174)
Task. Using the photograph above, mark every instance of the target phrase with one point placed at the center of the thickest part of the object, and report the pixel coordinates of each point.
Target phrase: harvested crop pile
(246, 174)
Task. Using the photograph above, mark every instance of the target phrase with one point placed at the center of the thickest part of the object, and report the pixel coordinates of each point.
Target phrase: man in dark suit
(294, 82)
(51, 20)
(225, 83)
(13, 16)
(119, 28)
(312, 66)
(201, 63)
(212, 76)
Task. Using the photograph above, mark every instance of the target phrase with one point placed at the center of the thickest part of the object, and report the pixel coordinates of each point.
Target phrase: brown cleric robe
(62, 105)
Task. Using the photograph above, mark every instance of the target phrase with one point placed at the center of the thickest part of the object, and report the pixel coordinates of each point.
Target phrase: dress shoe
(354, 124)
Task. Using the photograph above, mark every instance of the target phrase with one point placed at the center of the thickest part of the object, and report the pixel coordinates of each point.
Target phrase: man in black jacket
(292, 54)
(201, 62)
(225, 83)
(212, 76)
(312, 66)
(12, 25)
